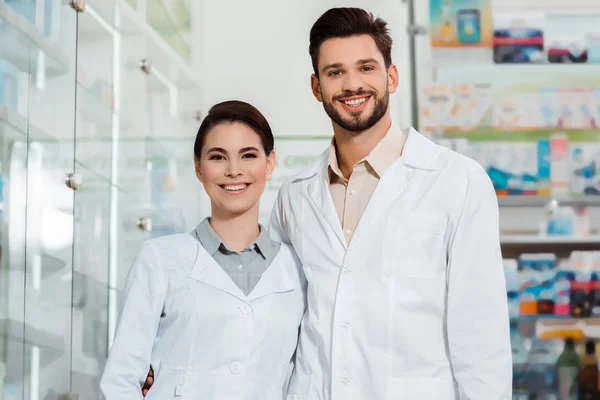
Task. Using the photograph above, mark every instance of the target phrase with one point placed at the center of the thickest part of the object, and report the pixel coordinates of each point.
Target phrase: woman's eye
(216, 157)
(249, 155)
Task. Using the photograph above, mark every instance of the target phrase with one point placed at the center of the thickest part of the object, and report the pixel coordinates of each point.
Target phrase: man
(399, 240)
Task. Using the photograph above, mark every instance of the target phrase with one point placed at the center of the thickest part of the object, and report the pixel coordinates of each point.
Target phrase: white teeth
(354, 103)
(235, 187)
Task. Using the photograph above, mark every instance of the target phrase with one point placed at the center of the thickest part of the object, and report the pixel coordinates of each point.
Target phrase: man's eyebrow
(332, 66)
(367, 61)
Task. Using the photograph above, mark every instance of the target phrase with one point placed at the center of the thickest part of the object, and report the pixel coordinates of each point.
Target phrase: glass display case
(98, 115)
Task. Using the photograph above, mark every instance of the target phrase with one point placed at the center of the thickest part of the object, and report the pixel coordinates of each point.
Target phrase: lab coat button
(346, 326)
(346, 271)
(179, 391)
(345, 381)
(246, 310)
(235, 368)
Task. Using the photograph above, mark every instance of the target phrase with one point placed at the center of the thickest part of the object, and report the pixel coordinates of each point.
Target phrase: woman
(214, 312)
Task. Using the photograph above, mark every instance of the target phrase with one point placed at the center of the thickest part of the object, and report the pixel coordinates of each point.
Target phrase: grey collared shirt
(245, 268)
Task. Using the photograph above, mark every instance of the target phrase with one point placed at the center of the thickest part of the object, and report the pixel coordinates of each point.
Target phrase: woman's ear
(197, 168)
(271, 162)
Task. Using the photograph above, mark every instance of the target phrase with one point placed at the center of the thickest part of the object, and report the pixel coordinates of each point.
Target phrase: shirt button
(348, 232)
(240, 266)
(235, 368)
(246, 310)
(345, 381)
(353, 192)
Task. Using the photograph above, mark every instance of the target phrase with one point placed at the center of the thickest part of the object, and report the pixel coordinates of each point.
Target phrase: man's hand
(149, 382)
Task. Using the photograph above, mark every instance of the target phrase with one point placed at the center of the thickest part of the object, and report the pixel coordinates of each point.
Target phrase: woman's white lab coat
(204, 338)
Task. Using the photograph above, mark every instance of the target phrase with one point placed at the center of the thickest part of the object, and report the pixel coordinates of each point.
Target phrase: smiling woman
(234, 158)
(213, 313)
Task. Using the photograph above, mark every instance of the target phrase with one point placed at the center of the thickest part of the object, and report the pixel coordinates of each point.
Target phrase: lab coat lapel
(418, 154)
(274, 280)
(318, 190)
(209, 272)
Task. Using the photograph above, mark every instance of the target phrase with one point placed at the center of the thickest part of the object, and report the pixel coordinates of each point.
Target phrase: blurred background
(100, 101)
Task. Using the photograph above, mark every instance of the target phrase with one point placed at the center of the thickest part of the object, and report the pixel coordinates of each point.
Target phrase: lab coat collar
(419, 152)
(206, 270)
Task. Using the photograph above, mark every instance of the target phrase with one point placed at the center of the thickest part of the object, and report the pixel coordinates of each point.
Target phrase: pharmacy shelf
(19, 37)
(551, 327)
(162, 58)
(549, 240)
(542, 201)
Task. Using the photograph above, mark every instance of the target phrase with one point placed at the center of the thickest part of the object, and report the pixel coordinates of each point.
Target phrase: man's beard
(356, 123)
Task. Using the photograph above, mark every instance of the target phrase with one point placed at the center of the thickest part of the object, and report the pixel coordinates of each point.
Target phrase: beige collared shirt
(350, 196)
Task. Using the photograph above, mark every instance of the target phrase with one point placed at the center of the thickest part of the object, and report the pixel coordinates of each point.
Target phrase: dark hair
(345, 22)
(235, 111)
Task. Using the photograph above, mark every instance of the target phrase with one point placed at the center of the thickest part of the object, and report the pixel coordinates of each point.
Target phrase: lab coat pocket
(173, 383)
(413, 244)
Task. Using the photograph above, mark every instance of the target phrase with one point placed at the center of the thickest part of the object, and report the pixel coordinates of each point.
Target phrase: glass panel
(14, 112)
(50, 156)
(90, 282)
(97, 121)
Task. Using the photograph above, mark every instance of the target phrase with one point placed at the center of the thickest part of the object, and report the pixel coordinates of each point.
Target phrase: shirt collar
(213, 242)
(385, 152)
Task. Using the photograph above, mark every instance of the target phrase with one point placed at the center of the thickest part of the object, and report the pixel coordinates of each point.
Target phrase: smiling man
(399, 240)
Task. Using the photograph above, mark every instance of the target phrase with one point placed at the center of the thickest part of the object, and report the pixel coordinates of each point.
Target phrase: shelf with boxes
(21, 39)
(542, 285)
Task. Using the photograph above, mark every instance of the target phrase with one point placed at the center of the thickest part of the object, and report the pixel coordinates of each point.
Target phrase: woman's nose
(233, 169)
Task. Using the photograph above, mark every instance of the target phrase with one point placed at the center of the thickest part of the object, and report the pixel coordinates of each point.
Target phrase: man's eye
(335, 73)
(367, 68)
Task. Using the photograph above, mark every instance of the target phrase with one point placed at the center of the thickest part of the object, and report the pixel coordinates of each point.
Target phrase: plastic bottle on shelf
(595, 283)
(528, 284)
(568, 367)
(545, 266)
(511, 274)
(562, 287)
(542, 377)
(580, 287)
(519, 356)
(588, 376)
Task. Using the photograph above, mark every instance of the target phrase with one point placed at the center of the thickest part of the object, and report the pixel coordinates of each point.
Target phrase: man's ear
(393, 78)
(315, 85)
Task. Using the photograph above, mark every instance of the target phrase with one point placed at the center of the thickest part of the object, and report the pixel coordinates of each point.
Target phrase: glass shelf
(19, 39)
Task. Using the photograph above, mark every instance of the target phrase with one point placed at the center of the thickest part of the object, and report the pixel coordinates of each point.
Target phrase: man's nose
(352, 82)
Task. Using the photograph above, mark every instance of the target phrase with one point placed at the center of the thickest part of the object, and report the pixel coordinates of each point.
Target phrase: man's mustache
(349, 93)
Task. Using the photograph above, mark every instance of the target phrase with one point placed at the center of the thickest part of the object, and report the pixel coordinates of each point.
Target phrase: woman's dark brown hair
(345, 22)
(235, 111)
